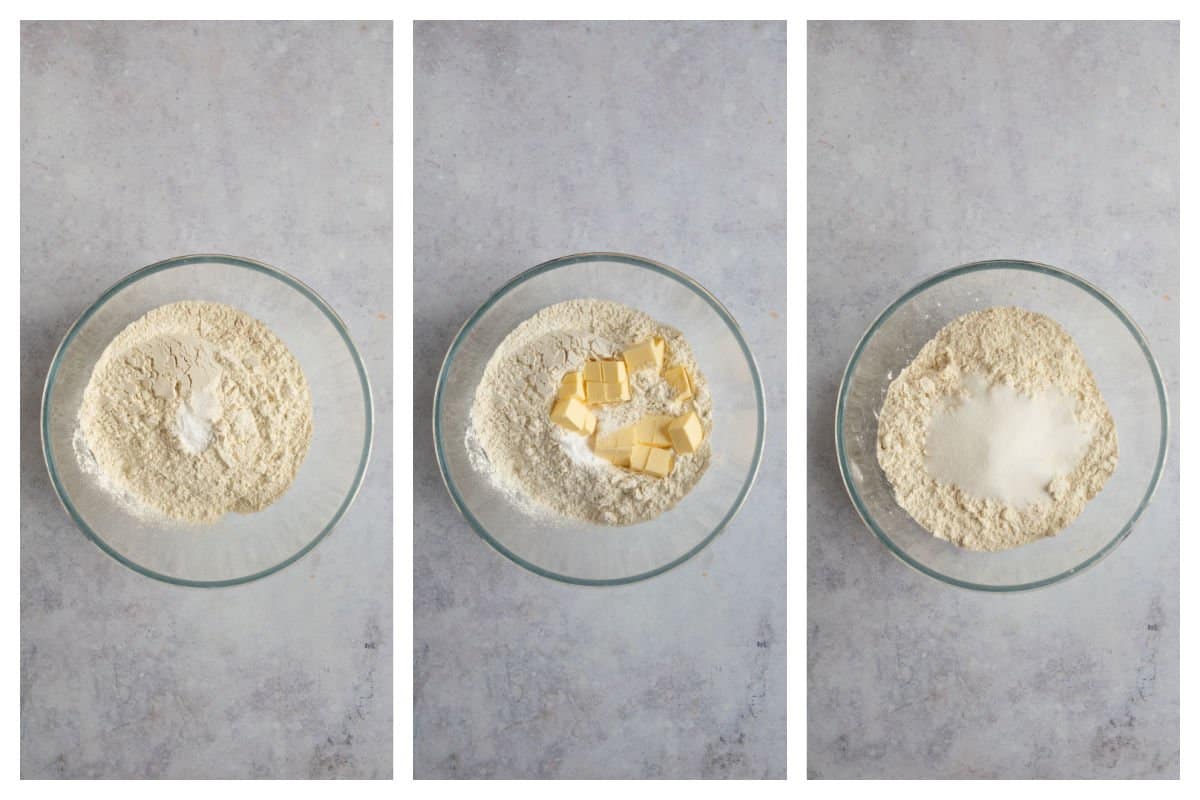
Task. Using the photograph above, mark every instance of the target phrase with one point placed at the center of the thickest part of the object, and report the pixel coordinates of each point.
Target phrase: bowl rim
(559, 263)
(174, 263)
(1020, 265)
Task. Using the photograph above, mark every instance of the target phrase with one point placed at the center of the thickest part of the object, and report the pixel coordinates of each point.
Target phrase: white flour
(996, 434)
(195, 410)
(542, 468)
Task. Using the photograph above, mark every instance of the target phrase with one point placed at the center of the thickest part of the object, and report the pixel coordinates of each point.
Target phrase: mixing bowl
(573, 550)
(239, 547)
(1124, 368)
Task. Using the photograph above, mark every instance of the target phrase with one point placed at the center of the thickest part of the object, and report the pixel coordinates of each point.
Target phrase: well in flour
(195, 410)
(547, 471)
(996, 434)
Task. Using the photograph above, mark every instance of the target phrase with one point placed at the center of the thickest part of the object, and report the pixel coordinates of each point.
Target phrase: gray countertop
(930, 145)
(534, 140)
(141, 141)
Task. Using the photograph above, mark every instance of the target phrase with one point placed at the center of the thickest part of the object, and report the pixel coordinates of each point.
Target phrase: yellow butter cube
(639, 454)
(625, 437)
(617, 446)
(644, 354)
(608, 449)
(605, 381)
(652, 430)
(593, 372)
(573, 415)
(571, 386)
(680, 381)
(686, 432)
(659, 461)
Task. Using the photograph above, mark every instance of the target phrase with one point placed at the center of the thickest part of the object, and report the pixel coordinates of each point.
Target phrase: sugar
(998, 443)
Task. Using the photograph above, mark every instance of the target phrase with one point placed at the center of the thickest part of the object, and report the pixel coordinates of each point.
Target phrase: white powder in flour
(996, 434)
(195, 410)
(543, 468)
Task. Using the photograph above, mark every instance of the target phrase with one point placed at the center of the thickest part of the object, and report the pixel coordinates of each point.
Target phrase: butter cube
(645, 354)
(571, 386)
(680, 381)
(686, 432)
(605, 381)
(573, 415)
(617, 446)
(652, 430)
(659, 462)
(638, 456)
(593, 372)
(625, 437)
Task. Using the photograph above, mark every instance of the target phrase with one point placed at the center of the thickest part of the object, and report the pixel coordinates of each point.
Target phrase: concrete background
(930, 145)
(141, 141)
(534, 140)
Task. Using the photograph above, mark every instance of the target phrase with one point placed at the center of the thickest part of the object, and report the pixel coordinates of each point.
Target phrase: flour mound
(1024, 351)
(193, 411)
(543, 469)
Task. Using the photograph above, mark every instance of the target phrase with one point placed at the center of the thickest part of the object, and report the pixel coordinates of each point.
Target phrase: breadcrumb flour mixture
(996, 434)
(193, 411)
(547, 470)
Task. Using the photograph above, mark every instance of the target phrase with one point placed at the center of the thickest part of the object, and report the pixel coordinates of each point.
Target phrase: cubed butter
(605, 381)
(659, 461)
(572, 386)
(652, 430)
(592, 371)
(680, 381)
(617, 446)
(686, 432)
(648, 353)
(573, 415)
(638, 456)
(625, 437)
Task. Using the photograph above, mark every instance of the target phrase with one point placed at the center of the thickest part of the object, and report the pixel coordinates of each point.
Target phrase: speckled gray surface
(930, 145)
(534, 140)
(142, 141)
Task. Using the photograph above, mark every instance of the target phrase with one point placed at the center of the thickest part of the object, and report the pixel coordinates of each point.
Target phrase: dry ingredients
(996, 434)
(193, 411)
(564, 401)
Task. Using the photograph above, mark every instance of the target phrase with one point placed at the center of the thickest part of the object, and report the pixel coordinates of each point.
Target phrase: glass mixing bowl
(239, 547)
(1125, 370)
(572, 550)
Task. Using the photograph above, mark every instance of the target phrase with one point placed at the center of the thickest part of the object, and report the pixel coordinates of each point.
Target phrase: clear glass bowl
(239, 547)
(571, 550)
(1119, 357)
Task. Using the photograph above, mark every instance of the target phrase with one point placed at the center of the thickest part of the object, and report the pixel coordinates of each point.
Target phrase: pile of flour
(1010, 368)
(543, 468)
(195, 410)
